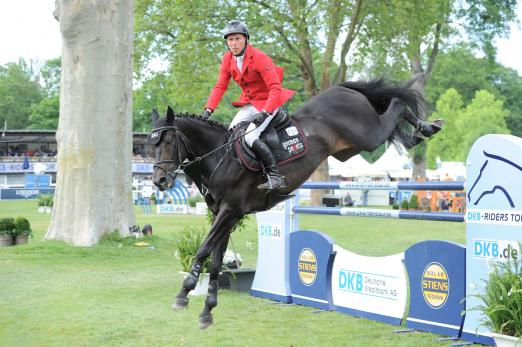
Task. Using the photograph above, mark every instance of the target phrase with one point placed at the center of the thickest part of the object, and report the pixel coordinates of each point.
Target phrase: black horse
(341, 121)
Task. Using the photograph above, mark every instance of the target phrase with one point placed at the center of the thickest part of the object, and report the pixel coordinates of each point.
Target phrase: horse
(341, 121)
(491, 190)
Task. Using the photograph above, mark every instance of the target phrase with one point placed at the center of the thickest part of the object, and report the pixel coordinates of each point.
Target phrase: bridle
(180, 137)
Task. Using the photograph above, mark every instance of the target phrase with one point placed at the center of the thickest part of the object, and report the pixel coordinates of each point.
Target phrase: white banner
(168, 208)
(376, 285)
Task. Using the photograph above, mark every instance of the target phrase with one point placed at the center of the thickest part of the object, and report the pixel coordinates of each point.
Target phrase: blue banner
(23, 193)
(436, 272)
(311, 260)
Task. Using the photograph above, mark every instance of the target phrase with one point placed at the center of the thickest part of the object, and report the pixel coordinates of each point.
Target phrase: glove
(206, 113)
(260, 118)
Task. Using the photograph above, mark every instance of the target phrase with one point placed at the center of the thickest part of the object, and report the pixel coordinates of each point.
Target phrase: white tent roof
(394, 162)
(454, 170)
(356, 166)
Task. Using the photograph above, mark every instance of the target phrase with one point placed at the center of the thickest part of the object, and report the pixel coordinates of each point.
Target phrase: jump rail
(446, 185)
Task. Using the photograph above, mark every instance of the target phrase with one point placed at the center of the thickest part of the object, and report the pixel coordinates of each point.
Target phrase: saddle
(284, 136)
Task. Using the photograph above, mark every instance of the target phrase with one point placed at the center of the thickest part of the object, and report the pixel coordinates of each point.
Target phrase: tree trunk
(94, 181)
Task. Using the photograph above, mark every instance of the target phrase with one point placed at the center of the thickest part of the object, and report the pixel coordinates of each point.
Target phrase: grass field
(52, 294)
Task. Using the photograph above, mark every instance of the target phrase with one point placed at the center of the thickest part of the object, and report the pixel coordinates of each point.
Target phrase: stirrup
(269, 186)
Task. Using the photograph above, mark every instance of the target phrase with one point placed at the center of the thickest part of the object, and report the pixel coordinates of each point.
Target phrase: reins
(182, 166)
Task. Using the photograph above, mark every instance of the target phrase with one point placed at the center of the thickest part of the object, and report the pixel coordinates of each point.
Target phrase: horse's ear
(170, 114)
(155, 116)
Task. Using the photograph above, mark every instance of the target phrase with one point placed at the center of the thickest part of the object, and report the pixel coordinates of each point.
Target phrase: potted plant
(502, 302)
(6, 231)
(414, 203)
(22, 230)
(45, 203)
(404, 204)
(187, 245)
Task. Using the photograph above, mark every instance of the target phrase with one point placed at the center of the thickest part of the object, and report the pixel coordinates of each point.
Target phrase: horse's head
(170, 149)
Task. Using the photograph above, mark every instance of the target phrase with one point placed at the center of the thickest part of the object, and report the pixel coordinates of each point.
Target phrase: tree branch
(435, 49)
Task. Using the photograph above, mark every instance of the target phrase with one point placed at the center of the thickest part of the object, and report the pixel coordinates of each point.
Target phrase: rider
(260, 81)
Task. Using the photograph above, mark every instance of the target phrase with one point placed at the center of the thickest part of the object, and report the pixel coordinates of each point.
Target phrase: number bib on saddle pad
(287, 141)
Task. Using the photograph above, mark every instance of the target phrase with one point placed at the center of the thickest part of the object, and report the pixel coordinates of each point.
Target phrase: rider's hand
(206, 113)
(260, 118)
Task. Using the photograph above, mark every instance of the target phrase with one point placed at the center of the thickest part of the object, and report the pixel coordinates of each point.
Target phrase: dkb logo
(435, 285)
(307, 266)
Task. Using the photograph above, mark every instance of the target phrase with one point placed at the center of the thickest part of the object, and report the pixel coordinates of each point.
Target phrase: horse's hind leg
(205, 318)
(423, 129)
(387, 121)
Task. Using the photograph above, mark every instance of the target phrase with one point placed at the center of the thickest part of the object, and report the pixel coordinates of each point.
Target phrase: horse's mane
(201, 119)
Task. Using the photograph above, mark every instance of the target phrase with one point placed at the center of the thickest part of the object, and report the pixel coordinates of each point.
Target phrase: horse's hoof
(205, 321)
(179, 304)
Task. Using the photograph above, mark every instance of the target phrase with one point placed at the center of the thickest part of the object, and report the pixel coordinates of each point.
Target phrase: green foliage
(446, 144)
(7, 226)
(19, 89)
(413, 203)
(484, 115)
(195, 199)
(460, 69)
(22, 226)
(404, 204)
(187, 245)
(502, 298)
(44, 114)
(464, 125)
(45, 200)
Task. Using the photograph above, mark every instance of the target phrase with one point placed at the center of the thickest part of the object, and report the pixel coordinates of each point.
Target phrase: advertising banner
(311, 260)
(272, 271)
(170, 208)
(493, 216)
(436, 271)
(371, 287)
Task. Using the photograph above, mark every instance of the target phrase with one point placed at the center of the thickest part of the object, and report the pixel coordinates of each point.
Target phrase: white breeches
(247, 114)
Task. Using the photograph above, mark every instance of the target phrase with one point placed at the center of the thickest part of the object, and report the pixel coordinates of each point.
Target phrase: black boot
(275, 180)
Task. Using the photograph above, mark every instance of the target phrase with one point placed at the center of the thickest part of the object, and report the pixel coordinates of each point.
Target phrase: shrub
(414, 202)
(7, 226)
(195, 199)
(502, 298)
(22, 227)
(395, 206)
(187, 245)
(404, 204)
(45, 200)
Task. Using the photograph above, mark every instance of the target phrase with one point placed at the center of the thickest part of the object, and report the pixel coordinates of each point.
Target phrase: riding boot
(274, 180)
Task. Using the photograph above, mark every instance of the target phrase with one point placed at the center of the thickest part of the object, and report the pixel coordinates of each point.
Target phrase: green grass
(52, 294)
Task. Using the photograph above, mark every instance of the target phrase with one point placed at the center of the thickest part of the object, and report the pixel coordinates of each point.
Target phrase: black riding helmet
(235, 27)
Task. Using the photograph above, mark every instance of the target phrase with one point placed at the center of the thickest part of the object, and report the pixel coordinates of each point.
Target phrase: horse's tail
(380, 93)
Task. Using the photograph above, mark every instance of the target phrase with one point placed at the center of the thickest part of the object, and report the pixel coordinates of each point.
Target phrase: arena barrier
(307, 267)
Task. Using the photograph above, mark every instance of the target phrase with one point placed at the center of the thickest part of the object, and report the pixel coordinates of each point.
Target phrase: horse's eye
(169, 137)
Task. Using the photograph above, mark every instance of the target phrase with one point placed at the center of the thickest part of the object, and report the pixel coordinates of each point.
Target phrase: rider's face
(236, 43)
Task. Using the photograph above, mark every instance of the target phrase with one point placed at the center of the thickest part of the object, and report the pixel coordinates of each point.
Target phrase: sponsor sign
(24, 193)
(436, 272)
(372, 287)
(272, 271)
(494, 218)
(169, 208)
(311, 259)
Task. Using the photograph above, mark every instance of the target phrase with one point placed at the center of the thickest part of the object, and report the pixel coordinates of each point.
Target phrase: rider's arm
(221, 85)
(268, 72)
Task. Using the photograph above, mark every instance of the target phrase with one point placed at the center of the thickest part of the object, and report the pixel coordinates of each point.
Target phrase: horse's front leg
(205, 318)
(223, 221)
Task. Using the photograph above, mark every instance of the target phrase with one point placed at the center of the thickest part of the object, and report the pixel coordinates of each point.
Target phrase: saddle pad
(292, 145)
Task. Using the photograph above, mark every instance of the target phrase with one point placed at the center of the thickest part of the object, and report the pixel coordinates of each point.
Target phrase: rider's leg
(245, 114)
(274, 178)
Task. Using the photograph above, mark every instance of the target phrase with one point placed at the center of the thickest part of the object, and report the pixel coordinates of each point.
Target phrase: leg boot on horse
(181, 301)
(275, 180)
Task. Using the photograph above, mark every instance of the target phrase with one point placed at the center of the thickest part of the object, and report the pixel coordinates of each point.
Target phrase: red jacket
(260, 81)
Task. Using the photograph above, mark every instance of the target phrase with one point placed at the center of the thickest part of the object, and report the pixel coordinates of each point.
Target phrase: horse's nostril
(162, 182)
